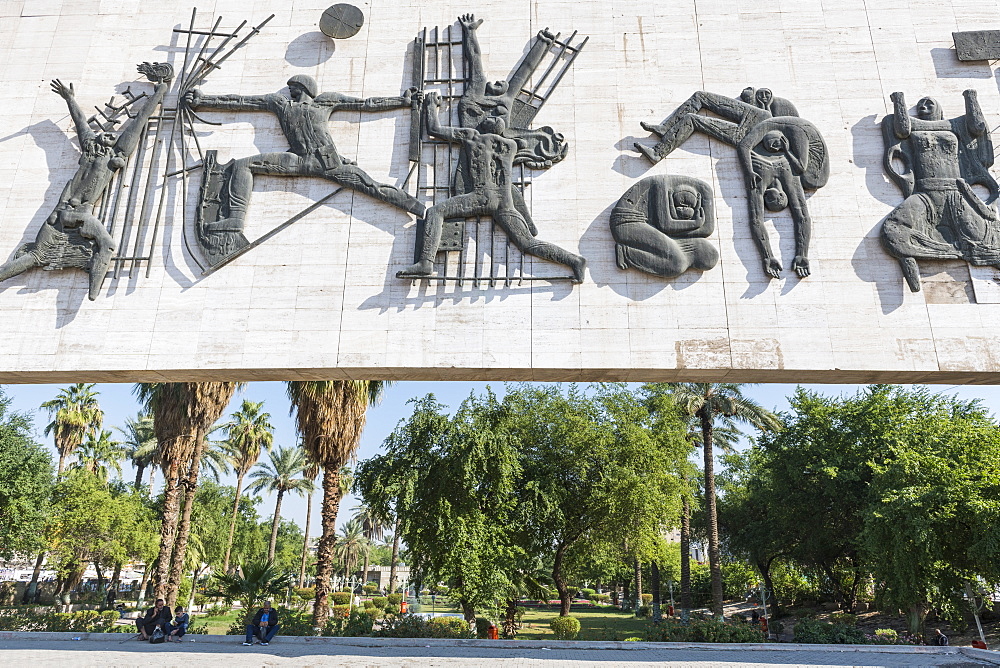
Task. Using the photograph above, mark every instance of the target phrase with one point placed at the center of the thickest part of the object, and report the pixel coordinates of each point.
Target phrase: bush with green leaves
(84, 621)
(647, 599)
(395, 600)
(565, 628)
(251, 585)
(218, 610)
(602, 598)
(196, 629)
(358, 623)
(572, 591)
(483, 627)
(644, 612)
(380, 602)
(305, 593)
(370, 589)
(588, 594)
(340, 611)
(413, 626)
(709, 631)
(341, 597)
(814, 631)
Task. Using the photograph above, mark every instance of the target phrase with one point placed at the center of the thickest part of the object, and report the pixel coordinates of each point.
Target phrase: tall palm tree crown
(75, 413)
(140, 444)
(98, 453)
(248, 431)
(351, 546)
(330, 416)
(283, 474)
(706, 402)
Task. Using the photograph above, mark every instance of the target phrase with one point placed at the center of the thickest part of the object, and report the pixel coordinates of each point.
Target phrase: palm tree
(280, 477)
(310, 472)
(215, 459)
(183, 415)
(140, 444)
(248, 431)
(330, 416)
(373, 527)
(251, 585)
(707, 401)
(351, 545)
(75, 413)
(98, 453)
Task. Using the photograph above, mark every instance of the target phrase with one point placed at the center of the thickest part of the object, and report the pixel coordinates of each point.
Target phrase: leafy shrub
(647, 599)
(340, 611)
(482, 627)
(370, 589)
(196, 629)
(565, 628)
(588, 594)
(395, 600)
(358, 623)
(341, 597)
(826, 633)
(671, 630)
(218, 610)
(643, 612)
(573, 591)
(368, 604)
(84, 621)
(380, 602)
(886, 636)
(844, 618)
(603, 598)
(306, 593)
(200, 600)
(412, 626)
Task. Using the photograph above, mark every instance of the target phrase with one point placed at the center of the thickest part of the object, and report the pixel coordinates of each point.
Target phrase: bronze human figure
(661, 223)
(303, 118)
(72, 236)
(780, 154)
(487, 160)
(941, 217)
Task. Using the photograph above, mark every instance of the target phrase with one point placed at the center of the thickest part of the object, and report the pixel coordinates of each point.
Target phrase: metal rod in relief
(148, 191)
(216, 64)
(133, 197)
(208, 62)
(253, 244)
(163, 192)
(184, 230)
(197, 59)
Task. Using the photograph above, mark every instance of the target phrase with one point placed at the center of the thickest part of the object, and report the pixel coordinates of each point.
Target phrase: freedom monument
(549, 191)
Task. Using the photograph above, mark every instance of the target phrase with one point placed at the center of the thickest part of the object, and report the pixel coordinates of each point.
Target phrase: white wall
(321, 299)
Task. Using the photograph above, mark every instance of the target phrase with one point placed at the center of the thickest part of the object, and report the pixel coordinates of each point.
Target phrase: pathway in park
(112, 653)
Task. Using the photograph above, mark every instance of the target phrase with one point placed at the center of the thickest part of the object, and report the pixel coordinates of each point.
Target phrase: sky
(118, 403)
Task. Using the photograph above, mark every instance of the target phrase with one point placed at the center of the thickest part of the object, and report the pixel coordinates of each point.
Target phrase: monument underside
(696, 191)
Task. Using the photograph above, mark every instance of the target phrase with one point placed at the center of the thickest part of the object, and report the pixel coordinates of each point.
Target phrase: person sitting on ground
(264, 625)
(157, 616)
(940, 639)
(180, 625)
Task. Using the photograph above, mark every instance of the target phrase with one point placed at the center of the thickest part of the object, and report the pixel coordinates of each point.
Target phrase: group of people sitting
(160, 622)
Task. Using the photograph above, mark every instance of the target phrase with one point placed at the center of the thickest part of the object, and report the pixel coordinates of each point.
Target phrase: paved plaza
(112, 653)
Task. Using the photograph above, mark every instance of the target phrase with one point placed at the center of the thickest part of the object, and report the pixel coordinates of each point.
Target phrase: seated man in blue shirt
(264, 625)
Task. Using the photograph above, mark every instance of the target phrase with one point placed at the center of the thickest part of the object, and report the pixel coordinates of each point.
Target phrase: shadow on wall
(310, 49)
(61, 155)
(870, 261)
(948, 66)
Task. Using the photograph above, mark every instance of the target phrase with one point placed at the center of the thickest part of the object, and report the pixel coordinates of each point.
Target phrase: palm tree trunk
(62, 465)
(232, 522)
(686, 555)
(395, 556)
(324, 550)
(139, 470)
(152, 477)
(364, 573)
(274, 527)
(184, 526)
(168, 529)
(305, 540)
(714, 559)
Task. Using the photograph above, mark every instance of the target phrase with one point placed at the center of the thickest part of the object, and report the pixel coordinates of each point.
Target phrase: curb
(580, 645)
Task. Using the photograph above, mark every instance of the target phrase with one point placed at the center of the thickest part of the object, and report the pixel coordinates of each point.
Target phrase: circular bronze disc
(341, 21)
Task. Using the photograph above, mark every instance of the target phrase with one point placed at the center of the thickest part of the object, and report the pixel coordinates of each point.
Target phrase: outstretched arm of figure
(196, 100)
(473, 54)
(339, 102)
(975, 120)
(83, 130)
(543, 42)
(902, 124)
(434, 127)
(128, 138)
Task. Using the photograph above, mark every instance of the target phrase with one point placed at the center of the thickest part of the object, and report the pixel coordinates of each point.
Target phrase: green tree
(280, 476)
(25, 484)
(373, 526)
(706, 401)
(75, 412)
(330, 416)
(251, 585)
(351, 547)
(248, 432)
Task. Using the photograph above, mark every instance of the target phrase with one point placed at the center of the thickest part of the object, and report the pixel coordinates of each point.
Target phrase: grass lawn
(600, 624)
(218, 625)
